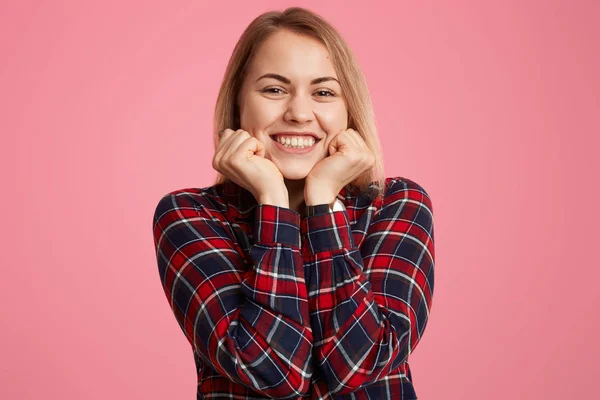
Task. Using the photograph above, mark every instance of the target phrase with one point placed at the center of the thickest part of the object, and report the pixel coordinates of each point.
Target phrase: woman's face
(301, 95)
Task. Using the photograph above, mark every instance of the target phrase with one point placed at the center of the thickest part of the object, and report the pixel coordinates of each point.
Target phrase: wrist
(325, 208)
(315, 194)
(279, 199)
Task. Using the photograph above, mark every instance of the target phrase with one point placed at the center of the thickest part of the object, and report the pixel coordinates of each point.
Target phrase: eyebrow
(287, 81)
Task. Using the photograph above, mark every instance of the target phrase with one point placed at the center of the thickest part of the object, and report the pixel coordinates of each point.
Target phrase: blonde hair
(358, 101)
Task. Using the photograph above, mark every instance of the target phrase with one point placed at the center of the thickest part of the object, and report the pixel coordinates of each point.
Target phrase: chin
(293, 169)
(294, 175)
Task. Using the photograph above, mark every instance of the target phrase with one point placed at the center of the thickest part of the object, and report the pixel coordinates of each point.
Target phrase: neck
(295, 190)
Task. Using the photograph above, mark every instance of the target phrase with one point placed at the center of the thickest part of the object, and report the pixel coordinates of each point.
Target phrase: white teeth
(296, 142)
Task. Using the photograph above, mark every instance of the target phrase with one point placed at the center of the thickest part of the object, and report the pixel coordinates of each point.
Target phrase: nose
(299, 109)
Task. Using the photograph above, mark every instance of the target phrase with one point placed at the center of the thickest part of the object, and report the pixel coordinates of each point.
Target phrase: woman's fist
(349, 156)
(241, 158)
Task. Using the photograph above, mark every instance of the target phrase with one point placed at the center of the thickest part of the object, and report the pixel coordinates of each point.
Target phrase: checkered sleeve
(247, 319)
(372, 303)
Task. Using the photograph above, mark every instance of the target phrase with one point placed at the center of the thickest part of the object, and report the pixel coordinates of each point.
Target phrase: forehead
(292, 55)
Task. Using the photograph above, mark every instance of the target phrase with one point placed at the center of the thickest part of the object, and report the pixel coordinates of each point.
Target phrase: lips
(299, 134)
(274, 137)
(294, 150)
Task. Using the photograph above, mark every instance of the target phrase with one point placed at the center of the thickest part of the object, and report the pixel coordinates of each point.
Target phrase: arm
(373, 303)
(249, 322)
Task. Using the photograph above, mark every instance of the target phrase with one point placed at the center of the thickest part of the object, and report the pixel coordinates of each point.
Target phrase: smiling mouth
(314, 140)
(291, 149)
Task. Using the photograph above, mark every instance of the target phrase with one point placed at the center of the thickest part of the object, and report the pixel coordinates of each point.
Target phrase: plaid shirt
(278, 305)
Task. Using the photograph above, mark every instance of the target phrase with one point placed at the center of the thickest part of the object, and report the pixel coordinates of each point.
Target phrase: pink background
(493, 108)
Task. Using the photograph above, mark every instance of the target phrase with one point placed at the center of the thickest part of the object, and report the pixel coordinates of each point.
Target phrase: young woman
(303, 272)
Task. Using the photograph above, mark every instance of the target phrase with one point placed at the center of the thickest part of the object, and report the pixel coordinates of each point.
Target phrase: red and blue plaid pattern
(277, 305)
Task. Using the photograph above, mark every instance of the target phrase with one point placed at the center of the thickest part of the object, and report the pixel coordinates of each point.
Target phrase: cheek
(258, 113)
(333, 119)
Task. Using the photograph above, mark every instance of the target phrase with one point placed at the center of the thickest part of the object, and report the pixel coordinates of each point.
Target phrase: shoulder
(407, 200)
(209, 199)
(401, 187)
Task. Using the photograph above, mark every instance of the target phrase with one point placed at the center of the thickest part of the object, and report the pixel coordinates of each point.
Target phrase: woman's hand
(349, 157)
(241, 158)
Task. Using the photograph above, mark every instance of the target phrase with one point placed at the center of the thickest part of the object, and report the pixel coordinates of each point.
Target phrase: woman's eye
(271, 90)
(321, 93)
(329, 93)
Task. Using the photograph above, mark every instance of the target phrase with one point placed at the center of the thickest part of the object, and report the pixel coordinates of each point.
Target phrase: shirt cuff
(317, 209)
(328, 231)
(275, 224)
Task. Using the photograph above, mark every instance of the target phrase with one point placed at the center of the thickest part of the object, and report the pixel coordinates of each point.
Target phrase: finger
(335, 145)
(223, 135)
(354, 138)
(335, 136)
(237, 137)
(252, 146)
(259, 148)
(358, 142)
(225, 144)
(221, 145)
(343, 142)
(360, 150)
